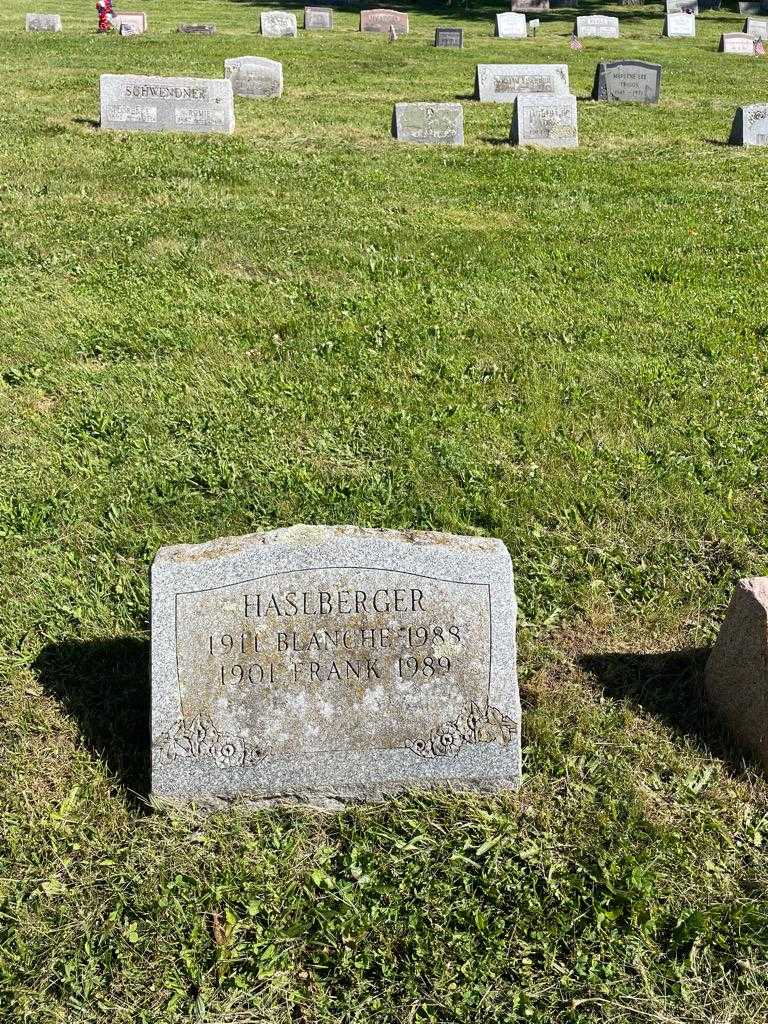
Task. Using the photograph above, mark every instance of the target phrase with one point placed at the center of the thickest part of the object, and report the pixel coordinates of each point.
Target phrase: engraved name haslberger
(374, 662)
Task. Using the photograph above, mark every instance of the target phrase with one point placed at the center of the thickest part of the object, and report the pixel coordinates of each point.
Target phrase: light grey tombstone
(510, 25)
(501, 83)
(682, 7)
(440, 124)
(750, 126)
(326, 664)
(43, 23)
(756, 29)
(546, 121)
(597, 26)
(737, 42)
(128, 29)
(146, 103)
(135, 21)
(257, 78)
(318, 19)
(680, 26)
(736, 676)
(278, 24)
(532, 5)
(752, 8)
(188, 29)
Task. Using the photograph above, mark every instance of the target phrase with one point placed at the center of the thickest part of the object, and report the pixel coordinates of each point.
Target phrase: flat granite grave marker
(379, 20)
(750, 126)
(325, 664)
(756, 29)
(436, 124)
(680, 26)
(737, 42)
(318, 19)
(451, 38)
(511, 26)
(134, 21)
(597, 26)
(146, 103)
(530, 5)
(546, 121)
(501, 83)
(196, 30)
(627, 81)
(736, 676)
(256, 78)
(278, 24)
(43, 23)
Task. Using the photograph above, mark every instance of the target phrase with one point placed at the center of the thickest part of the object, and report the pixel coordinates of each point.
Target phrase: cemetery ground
(309, 322)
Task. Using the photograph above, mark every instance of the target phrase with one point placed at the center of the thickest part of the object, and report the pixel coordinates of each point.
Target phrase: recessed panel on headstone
(680, 26)
(532, 5)
(510, 25)
(188, 29)
(756, 29)
(597, 26)
(326, 664)
(682, 7)
(135, 22)
(43, 23)
(501, 83)
(750, 126)
(450, 38)
(546, 121)
(144, 103)
(278, 24)
(436, 124)
(627, 81)
(737, 42)
(256, 78)
(318, 19)
(379, 20)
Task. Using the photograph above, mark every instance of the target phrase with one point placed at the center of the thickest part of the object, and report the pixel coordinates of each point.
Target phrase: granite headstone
(680, 26)
(146, 103)
(510, 25)
(501, 83)
(530, 5)
(750, 126)
(188, 29)
(756, 29)
(598, 26)
(328, 664)
(43, 23)
(752, 8)
(682, 7)
(137, 22)
(627, 81)
(278, 24)
(546, 121)
(318, 19)
(736, 676)
(737, 42)
(379, 20)
(440, 124)
(451, 38)
(256, 78)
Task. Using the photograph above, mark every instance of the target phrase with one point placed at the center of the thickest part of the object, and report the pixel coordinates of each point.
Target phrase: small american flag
(759, 48)
(575, 44)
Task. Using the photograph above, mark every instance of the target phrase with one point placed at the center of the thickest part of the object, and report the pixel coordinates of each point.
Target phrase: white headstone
(256, 78)
(144, 103)
(277, 24)
(511, 26)
(546, 121)
(501, 83)
(597, 25)
(680, 26)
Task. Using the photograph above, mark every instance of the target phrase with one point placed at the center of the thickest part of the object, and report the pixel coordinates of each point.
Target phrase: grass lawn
(308, 322)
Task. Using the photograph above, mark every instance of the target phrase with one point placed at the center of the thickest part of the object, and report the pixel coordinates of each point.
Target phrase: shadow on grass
(670, 686)
(104, 686)
(88, 122)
